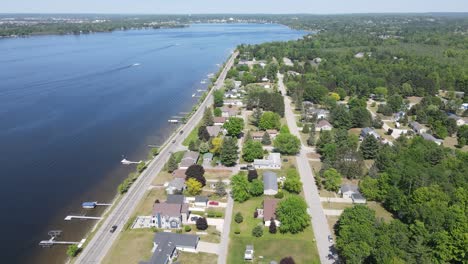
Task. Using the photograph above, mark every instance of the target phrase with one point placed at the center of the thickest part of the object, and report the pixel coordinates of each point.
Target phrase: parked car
(194, 218)
(330, 239)
(243, 168)
(213, 203)
(113, 228)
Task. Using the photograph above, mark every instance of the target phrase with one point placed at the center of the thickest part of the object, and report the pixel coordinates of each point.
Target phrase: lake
(71, 107)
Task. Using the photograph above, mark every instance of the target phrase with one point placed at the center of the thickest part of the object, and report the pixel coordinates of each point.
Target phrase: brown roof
(272, 131)
(179, 173)
(269, 209)
(219, 119)
(173, 210)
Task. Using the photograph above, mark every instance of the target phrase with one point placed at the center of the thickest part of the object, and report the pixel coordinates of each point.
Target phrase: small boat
(193, 95)
(89, 205)
(203, 82)
(136, 64)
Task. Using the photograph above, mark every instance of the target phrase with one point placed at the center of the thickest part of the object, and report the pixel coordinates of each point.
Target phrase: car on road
(330, 239)
(173, 141)
(113, 228)
(181, 132)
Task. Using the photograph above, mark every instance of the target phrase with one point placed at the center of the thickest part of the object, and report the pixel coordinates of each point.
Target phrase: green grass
(271, 246)
(192, 136)
(380, 212)
(132, 246)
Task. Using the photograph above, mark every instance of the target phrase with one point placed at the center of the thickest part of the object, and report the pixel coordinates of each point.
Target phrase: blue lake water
(71, 106)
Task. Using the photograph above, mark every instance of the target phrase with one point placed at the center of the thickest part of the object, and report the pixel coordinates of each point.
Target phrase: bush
(73, 250)
(257, 231)
(279, 195)
(287, 260)
(237, 231)
(238, 218)
(201, 223)
(187, 228)
(141, 166)
(179, 231)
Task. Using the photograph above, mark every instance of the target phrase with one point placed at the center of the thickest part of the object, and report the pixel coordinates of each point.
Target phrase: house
(231, 94)
(347, 190)
(273, 161)
(169, 215)
(189, 158)
(201, 201)
(399, 116)
(167, 246)
(323, 125)
(460, 121)
(269, 211)
(358, 198)
(317, 60)
(270, 183)
(288, 62)
(175, 186)
(207, 158)
(359, 55)
(272, 132)
(417, 127)
(464, 106)
(369, 131)
(320, 113)
(237, 84)
(176, 199)
(219, 120)
(214, 131)
(293, 73)
(179, 173)
(229, 111)
(233, 102)
(249, 252)
(430, 137)
(257, 135)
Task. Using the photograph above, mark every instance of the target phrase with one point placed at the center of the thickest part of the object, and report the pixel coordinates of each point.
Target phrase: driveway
(336, 200)
(206, 247)
(216, 222)
(332, 212)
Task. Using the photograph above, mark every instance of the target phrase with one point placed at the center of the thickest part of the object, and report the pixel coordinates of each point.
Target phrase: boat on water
(89, 205)
(136, 64)
(193, 95)
(203, 82)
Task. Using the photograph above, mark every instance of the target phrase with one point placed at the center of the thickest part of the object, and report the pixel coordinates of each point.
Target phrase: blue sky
(231, 6)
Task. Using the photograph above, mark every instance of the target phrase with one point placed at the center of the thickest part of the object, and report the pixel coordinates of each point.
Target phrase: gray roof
(190, 158)
(208, 156)
(349, 187)
(213, 130)
(201, 199)
(357, 196)
(167, 243)
(430, 137)
(177, 183)
(270, 181)
(415, 125)
(175, 199)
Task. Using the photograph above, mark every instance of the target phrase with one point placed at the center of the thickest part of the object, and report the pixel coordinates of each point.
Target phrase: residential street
(319, 220)
(102, 240)
(223, 247)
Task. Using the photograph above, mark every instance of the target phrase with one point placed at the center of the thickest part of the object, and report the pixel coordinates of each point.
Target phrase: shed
(358, 198)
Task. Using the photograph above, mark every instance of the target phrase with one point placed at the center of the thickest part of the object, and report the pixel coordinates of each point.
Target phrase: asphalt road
(223, 248)
(99, 245)
(319, 220)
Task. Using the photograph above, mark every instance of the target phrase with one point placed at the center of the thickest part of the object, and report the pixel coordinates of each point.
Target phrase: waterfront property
(166, 247)
(172, 213)
(190, 158)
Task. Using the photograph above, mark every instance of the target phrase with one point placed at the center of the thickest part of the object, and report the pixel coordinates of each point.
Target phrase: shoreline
(152, 162)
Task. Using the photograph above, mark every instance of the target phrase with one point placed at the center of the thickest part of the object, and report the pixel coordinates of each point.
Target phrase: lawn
(336, 206)
(132, 246)
(197, 258)
(162, 177)
(191, 137)
(380, 212)
(269, 246)
(216, 174)
(212, 236)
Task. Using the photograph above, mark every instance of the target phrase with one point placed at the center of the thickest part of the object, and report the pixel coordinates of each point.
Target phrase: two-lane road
(319, 220)
(103, 239)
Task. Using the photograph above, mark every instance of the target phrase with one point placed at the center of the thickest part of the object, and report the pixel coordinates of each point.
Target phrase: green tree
(287, 144)
(238, 218)
(395, 102)
(234, 126)
(197, 172)
(340, 117)
(332, 180)
(293, 185)
(370, 147)
(203, 134)
(361, 117)
(266, 140)
(201, 223)
(257, 231)
(220, 188)
(462, 135)
(381, 93)
(229, 152)
(287, 260)
(252, 150)
(252, 175)
(342, 93)
(292, 213)
(272, 228)
(306, 129)
(240, 188)
(256, 187)
(204, 147)
(194, 187)
(217, 112)
(172, 163)
(256, 116)
(141, 166)
(269, 120)
(208, 117)
(218, 97)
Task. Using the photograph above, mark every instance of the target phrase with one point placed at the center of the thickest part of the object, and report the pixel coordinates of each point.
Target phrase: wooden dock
(82, 217)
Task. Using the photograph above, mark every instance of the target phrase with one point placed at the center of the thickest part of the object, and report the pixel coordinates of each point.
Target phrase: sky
(231, 6)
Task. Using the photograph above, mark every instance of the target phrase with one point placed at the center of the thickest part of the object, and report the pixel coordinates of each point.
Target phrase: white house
(273, 161)
(233, 102)
(347, 190)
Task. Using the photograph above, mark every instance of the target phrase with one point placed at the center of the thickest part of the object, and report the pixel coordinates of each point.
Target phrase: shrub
(257, 231)
(272, 227)
(179, 231)
(201, 223)
(237, 231)
(287, 260)
(279, 195)
(73, 250)
(187, 228)
(238, 218)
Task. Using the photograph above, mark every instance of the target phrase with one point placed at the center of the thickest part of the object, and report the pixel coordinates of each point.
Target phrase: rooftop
(269, 208)
(270, 180)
